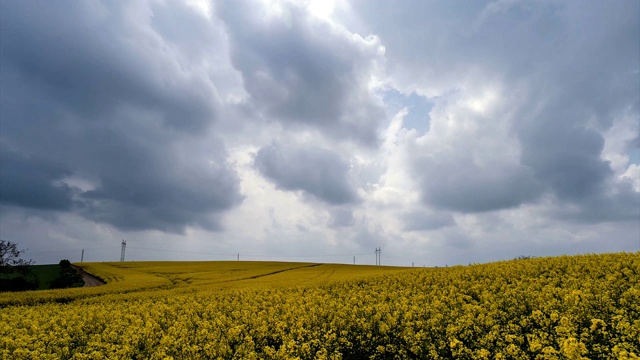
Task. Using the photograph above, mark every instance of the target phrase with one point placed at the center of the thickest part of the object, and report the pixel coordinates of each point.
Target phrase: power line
(123, 247)
(343, 257)
(246, 255)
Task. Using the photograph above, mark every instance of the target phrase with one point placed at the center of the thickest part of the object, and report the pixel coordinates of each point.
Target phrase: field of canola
(571, 307)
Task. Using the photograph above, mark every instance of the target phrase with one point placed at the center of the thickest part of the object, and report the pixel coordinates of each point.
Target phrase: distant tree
(69, 277)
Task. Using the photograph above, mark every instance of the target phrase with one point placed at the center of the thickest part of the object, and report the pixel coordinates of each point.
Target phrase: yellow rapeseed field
(570, 307)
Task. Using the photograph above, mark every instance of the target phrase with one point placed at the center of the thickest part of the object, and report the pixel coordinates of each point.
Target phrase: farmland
(570, 307)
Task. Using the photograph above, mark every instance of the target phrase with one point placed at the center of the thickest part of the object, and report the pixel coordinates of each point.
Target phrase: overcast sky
(443, 132)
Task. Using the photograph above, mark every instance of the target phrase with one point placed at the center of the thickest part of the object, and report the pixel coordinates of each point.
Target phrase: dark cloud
(466, 187)
(145, 186)
(312, 170)
(303, 71)
(566, 159)
(588, 86)
(96, 93)
(620, 204)
(33, 182)
(95, 55)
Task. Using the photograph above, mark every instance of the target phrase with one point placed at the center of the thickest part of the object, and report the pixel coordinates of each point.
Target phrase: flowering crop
(548, 308)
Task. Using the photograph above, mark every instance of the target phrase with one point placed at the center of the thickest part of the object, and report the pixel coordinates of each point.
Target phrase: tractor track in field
(276, 272)
(280, 271)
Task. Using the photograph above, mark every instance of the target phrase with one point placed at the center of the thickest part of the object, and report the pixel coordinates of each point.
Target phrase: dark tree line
(17, 274)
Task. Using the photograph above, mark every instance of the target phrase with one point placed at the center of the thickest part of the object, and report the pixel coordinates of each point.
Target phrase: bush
(18, 283)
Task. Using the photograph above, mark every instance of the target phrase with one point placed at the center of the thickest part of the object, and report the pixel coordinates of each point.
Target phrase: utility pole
(124, 246)
(82, 256)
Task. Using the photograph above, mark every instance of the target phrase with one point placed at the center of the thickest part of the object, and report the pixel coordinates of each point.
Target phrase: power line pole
(82, 256)
(124, 246)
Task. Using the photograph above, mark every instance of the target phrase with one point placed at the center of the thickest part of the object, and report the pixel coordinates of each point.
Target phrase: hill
(563, 307)
(143, 279)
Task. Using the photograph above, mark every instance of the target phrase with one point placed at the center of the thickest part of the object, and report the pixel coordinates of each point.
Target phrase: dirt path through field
(89, 280)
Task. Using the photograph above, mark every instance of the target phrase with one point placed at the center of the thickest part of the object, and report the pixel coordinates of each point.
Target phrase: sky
(441, 132)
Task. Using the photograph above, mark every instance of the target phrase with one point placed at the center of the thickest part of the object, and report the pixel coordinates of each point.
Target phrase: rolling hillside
(570, 307)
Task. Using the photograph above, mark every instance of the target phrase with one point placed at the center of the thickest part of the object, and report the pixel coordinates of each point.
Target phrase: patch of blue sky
(633, 150)
(418, 109)
(634, 156)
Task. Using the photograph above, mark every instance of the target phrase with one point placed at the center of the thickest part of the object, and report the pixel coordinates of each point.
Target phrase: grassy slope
(46, 274)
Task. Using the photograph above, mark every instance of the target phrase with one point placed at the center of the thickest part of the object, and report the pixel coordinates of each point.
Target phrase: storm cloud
(303, 71)
(313, 171)
(86, 105)
(443, 132)
(33, 182)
